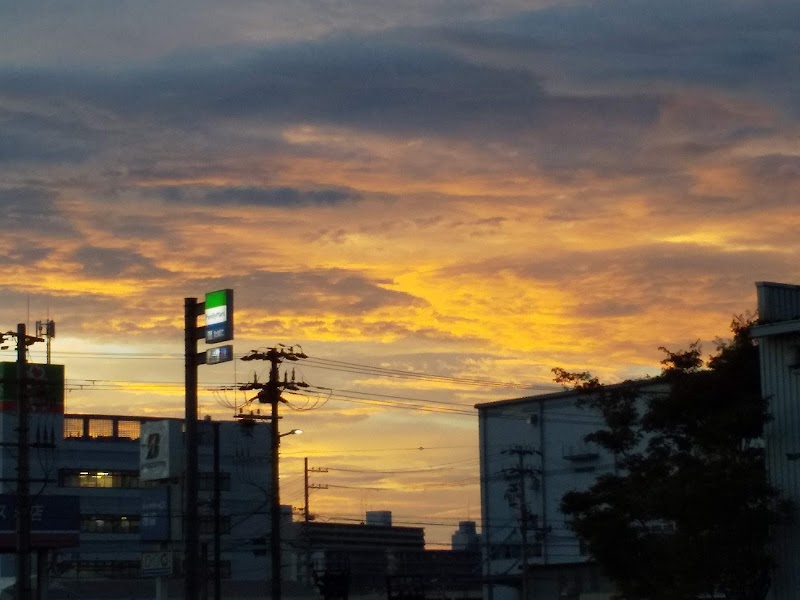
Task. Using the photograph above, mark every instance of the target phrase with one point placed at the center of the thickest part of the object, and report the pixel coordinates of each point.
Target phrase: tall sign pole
(191, 534)
(218, 311)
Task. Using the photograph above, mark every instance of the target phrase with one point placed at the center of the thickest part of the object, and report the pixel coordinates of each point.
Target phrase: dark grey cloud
(111, 263)
(51, 135)
(368, 84)
(281, 196)
(656, 264)
(324, 290)
(22, 204)
(137, 228)
(774, 179)
(620, 59)
(29, 253)
(33, 211)
(734, 44)
(69, 310)
(315, 291)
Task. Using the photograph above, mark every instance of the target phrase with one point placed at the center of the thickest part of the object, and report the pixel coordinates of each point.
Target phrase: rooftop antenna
(46, 329)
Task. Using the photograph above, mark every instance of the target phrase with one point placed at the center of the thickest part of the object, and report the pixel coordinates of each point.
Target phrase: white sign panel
(160, 450)
(155, 564)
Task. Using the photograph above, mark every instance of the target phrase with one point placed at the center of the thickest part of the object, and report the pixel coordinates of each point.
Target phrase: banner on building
(44, 387)
(160, 450)
(155, 521)
(55, 522)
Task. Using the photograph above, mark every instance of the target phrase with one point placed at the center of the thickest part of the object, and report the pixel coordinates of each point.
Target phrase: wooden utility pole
(23, 586)
(271, 394)
(520, 473)
(312, 486)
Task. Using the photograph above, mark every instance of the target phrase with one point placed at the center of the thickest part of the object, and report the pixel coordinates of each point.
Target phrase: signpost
(218, 311)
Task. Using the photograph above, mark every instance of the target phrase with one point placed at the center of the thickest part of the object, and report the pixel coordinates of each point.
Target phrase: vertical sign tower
(218, 311)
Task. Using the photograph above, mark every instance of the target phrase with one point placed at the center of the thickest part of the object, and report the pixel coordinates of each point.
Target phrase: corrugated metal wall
(778, 301)
(780, 382)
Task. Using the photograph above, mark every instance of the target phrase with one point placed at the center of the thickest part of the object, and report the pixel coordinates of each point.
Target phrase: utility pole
(23, 473)
(217, 510)
(516, 494)
(306, 512)
(271, 394)
(23, 496)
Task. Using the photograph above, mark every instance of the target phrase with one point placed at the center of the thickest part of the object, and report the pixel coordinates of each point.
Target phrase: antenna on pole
(46, 329)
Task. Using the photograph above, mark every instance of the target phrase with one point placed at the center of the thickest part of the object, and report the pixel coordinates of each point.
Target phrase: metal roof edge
(568, 393)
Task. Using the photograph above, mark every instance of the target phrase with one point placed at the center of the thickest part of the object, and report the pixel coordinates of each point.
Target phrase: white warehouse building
(778, 334)
(532, 452)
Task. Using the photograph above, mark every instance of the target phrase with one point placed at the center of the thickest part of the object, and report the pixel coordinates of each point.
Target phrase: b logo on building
(153, 445)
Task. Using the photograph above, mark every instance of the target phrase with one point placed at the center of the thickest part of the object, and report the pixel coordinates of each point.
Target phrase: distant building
(466, 539)
(110, 519)
(382, 518)
(379, 558)
(368, 553)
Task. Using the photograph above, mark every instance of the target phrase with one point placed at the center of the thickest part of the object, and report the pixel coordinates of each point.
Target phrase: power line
(335, 365)
(419, 375)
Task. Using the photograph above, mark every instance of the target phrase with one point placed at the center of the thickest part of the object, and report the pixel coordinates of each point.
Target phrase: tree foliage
(689, 510)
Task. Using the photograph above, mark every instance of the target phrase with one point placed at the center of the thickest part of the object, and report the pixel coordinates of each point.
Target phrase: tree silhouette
(689, 511)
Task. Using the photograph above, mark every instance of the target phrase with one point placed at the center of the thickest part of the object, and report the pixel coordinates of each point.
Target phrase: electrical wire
(335, 365)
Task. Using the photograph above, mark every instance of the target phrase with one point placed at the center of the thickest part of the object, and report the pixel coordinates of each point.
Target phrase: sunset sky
(457, 193)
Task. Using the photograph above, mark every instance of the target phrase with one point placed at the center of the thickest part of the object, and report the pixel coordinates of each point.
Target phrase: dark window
(224, 569)
(207, 524)
(205, 482)
(110, 523)
(102, 569)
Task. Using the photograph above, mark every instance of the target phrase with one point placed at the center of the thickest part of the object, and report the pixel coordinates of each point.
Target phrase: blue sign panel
(55, 521)
(154, 526)
(220, 354)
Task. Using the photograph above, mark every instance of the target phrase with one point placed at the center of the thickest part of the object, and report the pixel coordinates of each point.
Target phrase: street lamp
(275, 533)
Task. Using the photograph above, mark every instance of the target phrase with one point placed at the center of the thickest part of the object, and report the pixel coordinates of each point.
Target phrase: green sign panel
(219, 316)
(44, 387)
